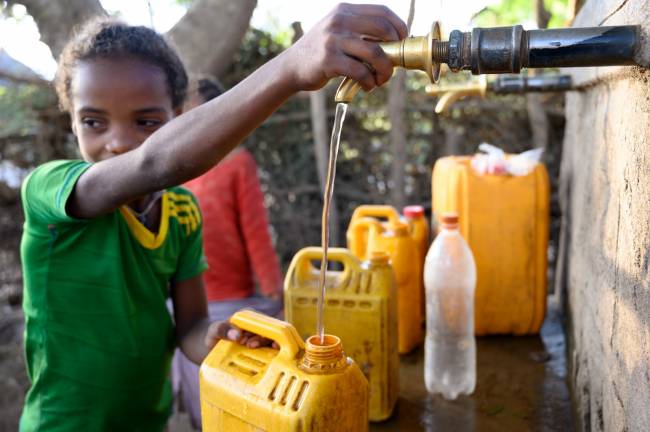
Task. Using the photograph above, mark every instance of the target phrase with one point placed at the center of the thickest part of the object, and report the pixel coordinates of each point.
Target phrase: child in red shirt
(236, 234)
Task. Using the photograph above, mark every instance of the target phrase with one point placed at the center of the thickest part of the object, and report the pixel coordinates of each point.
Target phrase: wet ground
(521, 386)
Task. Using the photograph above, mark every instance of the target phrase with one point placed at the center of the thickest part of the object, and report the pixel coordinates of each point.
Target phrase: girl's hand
(340, 45)
(225, 330)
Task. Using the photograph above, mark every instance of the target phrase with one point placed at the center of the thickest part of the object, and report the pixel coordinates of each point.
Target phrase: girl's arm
(192, 143)
(191, 317)
(195, 335)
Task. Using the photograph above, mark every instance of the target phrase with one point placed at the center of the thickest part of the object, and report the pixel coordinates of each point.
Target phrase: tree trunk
(398, 136)
(56, 21)
(539, 125)
(206, 37)
(542, 16)
(452, 142)
(210, 32)
(399, 128)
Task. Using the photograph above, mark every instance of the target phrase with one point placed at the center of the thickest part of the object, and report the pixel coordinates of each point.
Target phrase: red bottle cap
(413, 211)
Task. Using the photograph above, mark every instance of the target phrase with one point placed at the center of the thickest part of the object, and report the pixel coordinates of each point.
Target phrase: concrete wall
(603, 274)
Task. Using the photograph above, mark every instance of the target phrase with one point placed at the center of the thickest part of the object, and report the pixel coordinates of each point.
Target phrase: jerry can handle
(342, 255)
(377, 211)
(283, 333)
(358, 226)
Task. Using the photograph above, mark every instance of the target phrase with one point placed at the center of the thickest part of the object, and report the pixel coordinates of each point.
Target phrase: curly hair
(109, 38)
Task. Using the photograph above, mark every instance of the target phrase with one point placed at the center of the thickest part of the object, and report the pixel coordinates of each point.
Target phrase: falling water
(341, 109)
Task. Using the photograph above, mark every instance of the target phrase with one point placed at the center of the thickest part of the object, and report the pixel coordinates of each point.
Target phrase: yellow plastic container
(505, 221)
(299, 388)
(396, 240)
(358, 239)
(414, 215)
(360, 308)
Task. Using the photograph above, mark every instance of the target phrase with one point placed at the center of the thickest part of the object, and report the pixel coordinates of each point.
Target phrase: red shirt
(236, 230)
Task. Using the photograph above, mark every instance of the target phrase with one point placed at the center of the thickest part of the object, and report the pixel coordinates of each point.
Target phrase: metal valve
(508, 50)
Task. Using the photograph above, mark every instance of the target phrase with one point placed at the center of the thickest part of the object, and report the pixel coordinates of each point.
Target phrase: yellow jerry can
(414, 215)
(358, 240)
(360, 308)
(505, 221)
(300, 387)
(396, 240)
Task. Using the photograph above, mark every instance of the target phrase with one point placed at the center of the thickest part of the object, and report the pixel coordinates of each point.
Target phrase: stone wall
(603, 275)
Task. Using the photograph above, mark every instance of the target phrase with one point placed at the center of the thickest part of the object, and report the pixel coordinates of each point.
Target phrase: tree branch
(210, 33)
(18, 79)
(56, 21)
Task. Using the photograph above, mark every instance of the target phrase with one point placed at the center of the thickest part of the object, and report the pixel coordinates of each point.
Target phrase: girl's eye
(149, 123)
(92, 123)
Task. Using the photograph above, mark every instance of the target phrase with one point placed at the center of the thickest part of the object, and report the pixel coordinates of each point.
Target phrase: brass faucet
(415, 53)
(502, 85)
(451, 93)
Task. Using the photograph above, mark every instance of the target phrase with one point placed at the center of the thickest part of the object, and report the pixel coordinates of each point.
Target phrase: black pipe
(509, 84)
(509, 49)
(596, 46)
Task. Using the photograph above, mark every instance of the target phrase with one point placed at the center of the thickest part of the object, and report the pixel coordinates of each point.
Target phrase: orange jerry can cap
(449, 220)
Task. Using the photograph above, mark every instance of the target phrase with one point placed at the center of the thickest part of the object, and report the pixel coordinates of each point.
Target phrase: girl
(108, 238)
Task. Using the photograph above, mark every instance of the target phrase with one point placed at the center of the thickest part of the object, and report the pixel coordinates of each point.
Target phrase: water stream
(341, 109)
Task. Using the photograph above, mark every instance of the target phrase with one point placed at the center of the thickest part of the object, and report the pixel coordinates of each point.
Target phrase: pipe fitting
(508, 50)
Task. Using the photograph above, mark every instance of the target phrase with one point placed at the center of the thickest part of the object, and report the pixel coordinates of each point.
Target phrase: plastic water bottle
(450, 281)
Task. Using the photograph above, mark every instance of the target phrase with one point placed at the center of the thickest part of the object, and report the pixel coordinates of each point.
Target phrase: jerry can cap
(413, 211)
(449, 220)
(379, 257)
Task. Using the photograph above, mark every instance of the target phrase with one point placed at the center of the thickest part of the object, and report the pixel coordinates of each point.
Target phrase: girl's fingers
(372, 27)
(225, 330)
(373, 57)
(256, 341)
(233, 334)
(354, 69)
(216, 331)
(377, 20)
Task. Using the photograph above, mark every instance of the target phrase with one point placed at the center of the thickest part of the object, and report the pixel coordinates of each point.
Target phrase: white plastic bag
(494, 161)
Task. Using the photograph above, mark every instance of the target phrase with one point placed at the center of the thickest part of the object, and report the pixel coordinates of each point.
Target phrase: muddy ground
(521, 386)
(521, 382)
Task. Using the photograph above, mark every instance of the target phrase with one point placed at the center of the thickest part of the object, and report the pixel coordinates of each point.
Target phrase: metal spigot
(505, 84)
(451, 93)
(415, 53)
(508, 50)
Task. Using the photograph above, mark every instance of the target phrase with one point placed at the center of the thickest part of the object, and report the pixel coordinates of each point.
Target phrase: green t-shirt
(98, 335)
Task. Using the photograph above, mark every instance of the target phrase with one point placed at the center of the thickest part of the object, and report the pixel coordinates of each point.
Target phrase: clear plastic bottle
(450, 281)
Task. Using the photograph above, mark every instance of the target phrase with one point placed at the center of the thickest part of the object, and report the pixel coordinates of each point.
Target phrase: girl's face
(116, 105)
